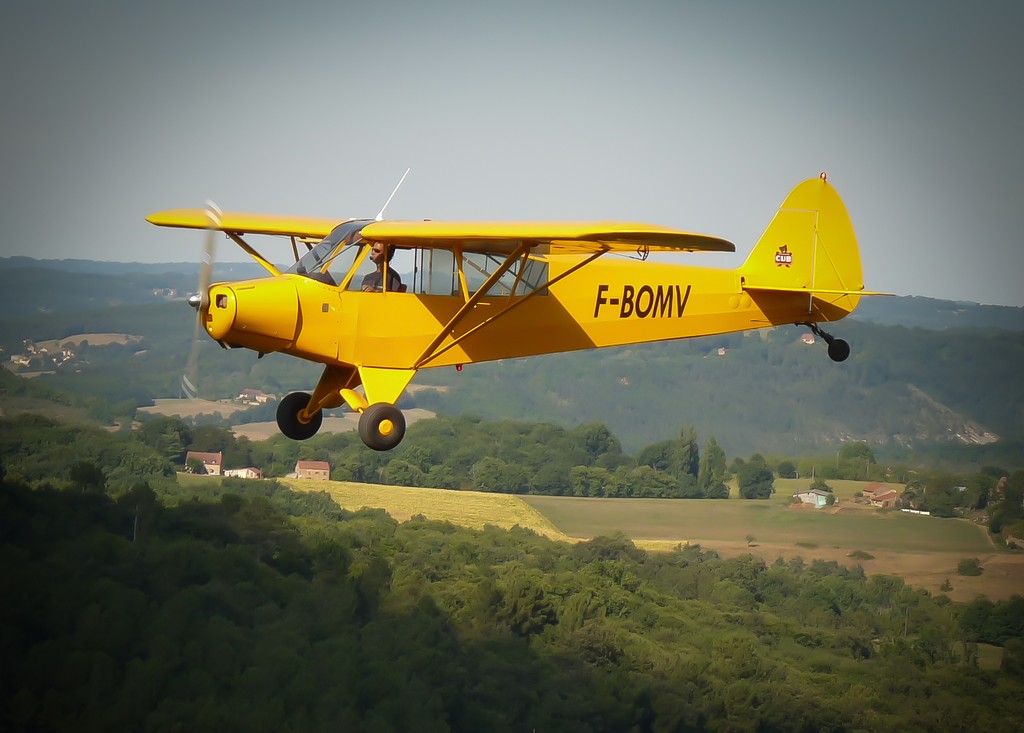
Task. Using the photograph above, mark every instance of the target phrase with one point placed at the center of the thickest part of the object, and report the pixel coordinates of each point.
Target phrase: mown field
(922, 550)
(474, 509)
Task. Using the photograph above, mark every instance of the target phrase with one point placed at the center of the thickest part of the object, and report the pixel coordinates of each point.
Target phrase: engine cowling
(258, 314)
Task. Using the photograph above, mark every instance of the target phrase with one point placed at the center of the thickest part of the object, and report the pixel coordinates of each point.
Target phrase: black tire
(838, 350)
(288, 417)
(381, 426)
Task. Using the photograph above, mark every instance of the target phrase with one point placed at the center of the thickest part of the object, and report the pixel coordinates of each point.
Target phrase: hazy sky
(699, 116)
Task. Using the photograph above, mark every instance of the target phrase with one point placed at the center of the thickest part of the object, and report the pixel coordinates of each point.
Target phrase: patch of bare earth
(192, 408)
(1003, 574)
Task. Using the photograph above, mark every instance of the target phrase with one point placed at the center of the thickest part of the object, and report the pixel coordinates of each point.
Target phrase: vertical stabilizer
(809, 247)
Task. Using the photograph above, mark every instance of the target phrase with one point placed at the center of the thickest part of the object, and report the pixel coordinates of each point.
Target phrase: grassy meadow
(924, 551)
(846, 526)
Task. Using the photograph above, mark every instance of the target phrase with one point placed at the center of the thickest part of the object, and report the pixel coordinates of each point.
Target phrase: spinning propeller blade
(198, 301)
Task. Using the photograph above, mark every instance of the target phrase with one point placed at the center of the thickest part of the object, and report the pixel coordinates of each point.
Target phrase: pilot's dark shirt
(376, 281)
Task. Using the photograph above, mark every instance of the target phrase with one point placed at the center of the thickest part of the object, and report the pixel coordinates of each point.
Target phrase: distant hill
(97, 267)
(54, 286)
(935, 314)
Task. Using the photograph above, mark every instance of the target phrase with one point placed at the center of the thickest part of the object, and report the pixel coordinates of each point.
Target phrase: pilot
(374, 282)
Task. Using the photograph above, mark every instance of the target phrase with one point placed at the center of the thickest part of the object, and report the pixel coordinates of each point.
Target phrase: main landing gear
(381, 425)
(292, 420)
(838, 350)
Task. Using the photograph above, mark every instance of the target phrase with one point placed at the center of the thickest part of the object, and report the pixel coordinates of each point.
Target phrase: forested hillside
(768, 391)
(267, 610)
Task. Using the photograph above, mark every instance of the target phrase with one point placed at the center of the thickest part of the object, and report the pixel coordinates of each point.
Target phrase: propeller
(200, 300)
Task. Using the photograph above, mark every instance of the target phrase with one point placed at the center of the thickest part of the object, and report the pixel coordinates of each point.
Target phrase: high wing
(489, 237)
(548, 237)
(241, 223)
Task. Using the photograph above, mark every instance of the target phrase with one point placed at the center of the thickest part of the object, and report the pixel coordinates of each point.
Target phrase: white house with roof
(212, 462)
(248, 472)
(815, 497)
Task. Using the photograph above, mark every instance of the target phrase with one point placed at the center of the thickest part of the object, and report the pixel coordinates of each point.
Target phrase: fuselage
(604, 303)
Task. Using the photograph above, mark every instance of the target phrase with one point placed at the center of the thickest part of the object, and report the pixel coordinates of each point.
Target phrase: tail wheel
(288, 417)
(381, 426)
(838, 350)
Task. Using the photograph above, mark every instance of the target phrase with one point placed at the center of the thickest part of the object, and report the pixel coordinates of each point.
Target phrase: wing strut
(267, 265)
(432, 352)
(518, 252)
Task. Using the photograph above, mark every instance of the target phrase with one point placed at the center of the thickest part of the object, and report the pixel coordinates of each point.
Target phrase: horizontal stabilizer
(813, 291)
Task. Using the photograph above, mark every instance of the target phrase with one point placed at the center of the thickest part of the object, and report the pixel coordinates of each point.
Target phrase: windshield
(344, 234)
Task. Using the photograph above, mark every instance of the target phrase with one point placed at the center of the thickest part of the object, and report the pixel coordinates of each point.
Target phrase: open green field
(924, 551)
(708, 521)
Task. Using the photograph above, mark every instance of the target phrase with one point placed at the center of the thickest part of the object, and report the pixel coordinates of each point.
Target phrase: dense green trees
(39, 449)
(509, 457)
(1007, 513)
(242, 603)
(755, 480)
(254, 608)
(994, 623)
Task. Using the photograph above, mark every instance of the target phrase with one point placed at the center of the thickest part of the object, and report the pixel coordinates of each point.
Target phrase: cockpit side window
(437, 273)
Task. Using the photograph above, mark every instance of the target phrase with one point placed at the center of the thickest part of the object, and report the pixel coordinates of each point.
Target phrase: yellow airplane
(481, 291)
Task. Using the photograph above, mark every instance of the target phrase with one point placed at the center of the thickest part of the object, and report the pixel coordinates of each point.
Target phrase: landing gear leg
(300, 415)
(838, 350)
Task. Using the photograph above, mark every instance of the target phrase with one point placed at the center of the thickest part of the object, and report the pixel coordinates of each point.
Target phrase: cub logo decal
(783, 256)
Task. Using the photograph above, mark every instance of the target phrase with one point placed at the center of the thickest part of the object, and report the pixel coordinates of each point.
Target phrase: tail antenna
(380, 214)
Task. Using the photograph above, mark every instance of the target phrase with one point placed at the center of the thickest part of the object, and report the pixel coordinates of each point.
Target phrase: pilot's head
(380, 250)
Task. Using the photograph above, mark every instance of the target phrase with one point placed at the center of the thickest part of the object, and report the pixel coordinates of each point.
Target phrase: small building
(815, 497)
(253, 397)
(316, 470)
(212, 462)
(807, 338)
(248, 472)
(875, 488)
(885, 499)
